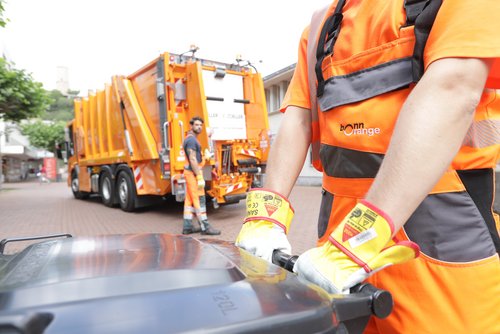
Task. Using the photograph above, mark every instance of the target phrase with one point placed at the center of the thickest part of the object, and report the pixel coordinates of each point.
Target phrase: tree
(44, 135)
(3, 20)
(20, 96)
(61, 108)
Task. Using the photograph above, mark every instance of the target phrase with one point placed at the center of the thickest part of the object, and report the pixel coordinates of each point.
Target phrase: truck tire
(75, 187)
(107, 189)
(126, 192)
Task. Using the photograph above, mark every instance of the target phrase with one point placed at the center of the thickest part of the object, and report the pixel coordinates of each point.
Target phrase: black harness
(359, 86)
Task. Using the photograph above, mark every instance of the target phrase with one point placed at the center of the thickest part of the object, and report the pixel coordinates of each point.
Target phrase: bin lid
(155, 283)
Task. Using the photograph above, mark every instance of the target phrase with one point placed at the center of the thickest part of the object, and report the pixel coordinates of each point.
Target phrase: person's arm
(429, 132)
(193, 162)
(264, 231)
(289, 150)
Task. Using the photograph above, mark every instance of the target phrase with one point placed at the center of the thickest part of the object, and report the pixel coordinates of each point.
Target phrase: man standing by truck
(195, 202)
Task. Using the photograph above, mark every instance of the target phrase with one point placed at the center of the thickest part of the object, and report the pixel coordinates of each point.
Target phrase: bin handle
(379, 302)
(4, 242)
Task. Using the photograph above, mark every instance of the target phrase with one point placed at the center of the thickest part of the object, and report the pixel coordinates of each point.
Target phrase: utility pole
(3, 131)
(1, 162)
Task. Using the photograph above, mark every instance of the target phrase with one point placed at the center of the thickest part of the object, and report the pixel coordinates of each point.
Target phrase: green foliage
(3, 20)
(61, 108)
(44, 135)
(20, 96)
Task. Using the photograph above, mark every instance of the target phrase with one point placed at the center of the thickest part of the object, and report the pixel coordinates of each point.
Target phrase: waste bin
(156, 283)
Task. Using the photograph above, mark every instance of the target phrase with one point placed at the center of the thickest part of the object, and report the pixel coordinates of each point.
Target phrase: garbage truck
(125, 141)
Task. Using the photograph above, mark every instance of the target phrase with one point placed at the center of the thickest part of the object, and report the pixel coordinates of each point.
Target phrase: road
(28, 209)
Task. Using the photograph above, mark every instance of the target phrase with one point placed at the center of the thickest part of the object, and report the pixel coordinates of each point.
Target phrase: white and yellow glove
(360, 246)
(207, 154)
(201, 182)
(266, 225)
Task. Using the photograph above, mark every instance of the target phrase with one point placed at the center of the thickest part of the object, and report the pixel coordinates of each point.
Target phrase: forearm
(194, 164)
(429, 132)
(289, 150)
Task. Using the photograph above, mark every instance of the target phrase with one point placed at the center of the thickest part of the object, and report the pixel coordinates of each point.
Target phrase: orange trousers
(192, 204)
(433, 296)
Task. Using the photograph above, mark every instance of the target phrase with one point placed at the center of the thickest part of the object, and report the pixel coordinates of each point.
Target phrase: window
(275, 95)
(268, 99)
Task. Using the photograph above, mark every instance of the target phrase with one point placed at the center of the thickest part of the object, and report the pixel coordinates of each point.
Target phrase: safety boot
(189, 228)
(207, 229)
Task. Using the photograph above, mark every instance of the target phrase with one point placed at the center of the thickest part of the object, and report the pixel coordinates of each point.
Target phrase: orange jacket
(352, 127)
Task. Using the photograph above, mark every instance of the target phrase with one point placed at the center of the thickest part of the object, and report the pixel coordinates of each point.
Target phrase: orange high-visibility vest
(358, 102)
(363, 80)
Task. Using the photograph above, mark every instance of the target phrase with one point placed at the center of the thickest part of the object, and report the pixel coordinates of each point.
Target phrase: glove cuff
(379, 212)
(363, 233)
(284, 198)
(268, 205)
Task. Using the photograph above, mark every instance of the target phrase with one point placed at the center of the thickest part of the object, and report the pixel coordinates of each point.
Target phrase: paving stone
(28, 209)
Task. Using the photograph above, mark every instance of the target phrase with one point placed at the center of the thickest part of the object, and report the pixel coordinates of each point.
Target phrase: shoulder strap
(422, 14)
(312, 41)
(326, 42)
(321, 40)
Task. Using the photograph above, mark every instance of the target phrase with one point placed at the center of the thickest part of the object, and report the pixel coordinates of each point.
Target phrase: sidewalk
(31, 209)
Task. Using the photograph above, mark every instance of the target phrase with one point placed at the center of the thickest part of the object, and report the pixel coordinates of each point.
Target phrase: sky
(96, 39)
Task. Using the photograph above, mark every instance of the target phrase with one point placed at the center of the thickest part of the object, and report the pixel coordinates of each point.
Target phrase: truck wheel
(126, 192)
(75, 186)
(107, 189)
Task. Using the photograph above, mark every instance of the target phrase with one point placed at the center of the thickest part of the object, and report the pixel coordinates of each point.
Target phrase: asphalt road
(32, 209)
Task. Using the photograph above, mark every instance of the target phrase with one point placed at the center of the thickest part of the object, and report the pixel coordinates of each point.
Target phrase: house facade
(19, 160)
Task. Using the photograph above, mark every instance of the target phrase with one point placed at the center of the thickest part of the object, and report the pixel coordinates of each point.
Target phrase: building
(19, 159)
(275, 86)
(62, 80)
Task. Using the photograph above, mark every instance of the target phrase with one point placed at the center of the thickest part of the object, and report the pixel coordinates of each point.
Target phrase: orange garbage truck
(125, 141)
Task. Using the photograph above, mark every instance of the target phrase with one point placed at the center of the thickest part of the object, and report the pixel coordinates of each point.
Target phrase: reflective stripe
(188, 212)
(449, 182)
(449, 227)
(138, 177)
(201, 215)
(483, 134)
(366, 83)
(356, 188)
(346, 163)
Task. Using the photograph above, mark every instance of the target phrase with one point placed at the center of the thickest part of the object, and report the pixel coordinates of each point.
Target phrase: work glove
(201, 182)
(207, 154)
(266, 225)
(360, 246)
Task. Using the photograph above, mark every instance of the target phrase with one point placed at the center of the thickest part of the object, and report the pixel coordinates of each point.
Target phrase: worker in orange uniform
(397, 99)
(195, 202)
